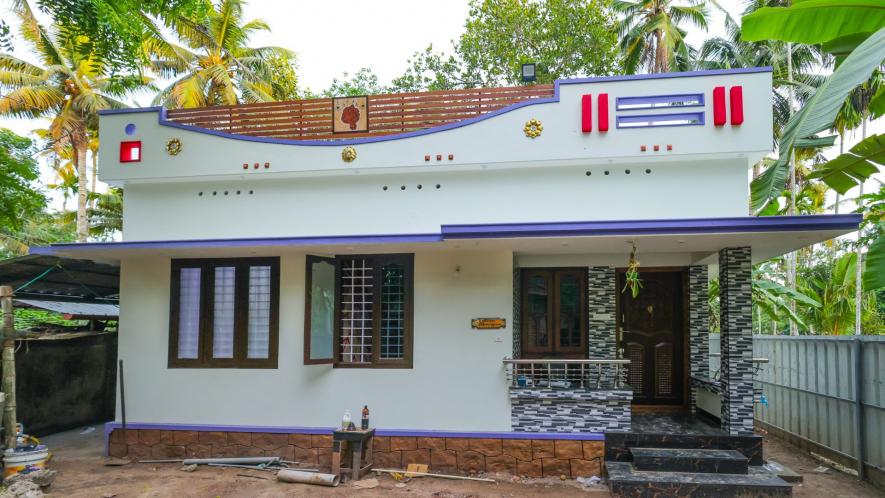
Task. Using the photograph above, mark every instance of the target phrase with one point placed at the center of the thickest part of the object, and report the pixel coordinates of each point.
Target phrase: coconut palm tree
(68, 86)
(214, 64)
(651, 37)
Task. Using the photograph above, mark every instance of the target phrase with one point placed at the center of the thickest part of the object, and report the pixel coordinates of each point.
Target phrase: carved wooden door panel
(651, 327)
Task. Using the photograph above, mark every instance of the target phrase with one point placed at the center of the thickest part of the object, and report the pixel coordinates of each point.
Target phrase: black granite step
(618, 444)
(689, 460)
(625, 481)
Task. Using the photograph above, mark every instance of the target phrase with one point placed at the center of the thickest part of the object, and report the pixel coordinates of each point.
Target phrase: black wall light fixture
(528, 72)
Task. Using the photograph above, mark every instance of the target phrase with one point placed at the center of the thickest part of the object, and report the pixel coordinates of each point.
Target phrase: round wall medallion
(173, 146)
(348, 154)
(533, 128)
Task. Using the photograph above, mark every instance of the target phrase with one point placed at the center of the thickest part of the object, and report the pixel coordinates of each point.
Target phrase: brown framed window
(224, 313)
(370, 324)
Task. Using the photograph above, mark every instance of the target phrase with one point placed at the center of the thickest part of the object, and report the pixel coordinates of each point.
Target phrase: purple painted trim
(656, 99)
(570, 436)
(696, 117)
(747, 224)
(260, 242)
(163, 121)
(129, 110)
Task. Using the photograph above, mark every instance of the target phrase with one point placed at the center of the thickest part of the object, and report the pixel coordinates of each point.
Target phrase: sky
(331, 37)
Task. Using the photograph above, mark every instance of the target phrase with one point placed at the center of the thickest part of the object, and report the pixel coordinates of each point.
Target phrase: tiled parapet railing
(531, 455)
(570, 410)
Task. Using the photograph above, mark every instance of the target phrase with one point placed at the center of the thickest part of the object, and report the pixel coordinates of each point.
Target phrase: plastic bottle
(365, 424)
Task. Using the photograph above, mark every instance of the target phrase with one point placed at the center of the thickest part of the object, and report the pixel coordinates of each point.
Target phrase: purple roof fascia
(571, 436)
(654, 227)
(163, 121)
(746, 224)
(257, 242)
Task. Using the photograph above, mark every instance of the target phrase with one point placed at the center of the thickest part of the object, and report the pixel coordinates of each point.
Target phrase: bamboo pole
(8, 358)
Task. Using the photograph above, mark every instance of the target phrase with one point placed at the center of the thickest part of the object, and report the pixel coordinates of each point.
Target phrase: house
(457, 261)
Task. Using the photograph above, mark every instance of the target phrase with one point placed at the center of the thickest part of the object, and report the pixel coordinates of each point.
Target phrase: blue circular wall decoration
(130, 129)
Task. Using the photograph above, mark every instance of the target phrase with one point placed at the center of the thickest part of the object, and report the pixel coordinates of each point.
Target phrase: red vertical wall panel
(587, 113)
(719, 106)
(736, 94)
(603, 111)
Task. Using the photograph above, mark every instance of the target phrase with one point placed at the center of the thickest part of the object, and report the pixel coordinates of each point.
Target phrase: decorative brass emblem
(173, 146)
(348, 154)
(533, 128)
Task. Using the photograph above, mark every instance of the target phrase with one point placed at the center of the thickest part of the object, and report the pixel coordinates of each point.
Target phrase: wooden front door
(554, 313)
(652, 337)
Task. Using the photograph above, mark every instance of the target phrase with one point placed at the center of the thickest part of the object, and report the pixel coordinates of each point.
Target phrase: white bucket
(22, 462)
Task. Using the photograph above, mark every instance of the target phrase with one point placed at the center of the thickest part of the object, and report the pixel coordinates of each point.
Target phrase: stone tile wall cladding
(698, 326)
(528, 457)
(601, 308)
(736, 323)
(569, 410)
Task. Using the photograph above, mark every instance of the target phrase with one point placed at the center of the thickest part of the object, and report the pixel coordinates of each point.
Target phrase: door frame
(686, 340)
(585, 339)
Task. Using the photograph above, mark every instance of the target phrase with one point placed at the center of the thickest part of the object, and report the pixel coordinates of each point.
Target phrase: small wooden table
(359, 449)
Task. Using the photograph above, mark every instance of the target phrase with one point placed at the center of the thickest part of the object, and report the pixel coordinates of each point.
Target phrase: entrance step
(689, 460)
(618, 444)
(626, 481)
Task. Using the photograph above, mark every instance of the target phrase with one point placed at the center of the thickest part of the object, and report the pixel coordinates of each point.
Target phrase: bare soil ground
(78, 459)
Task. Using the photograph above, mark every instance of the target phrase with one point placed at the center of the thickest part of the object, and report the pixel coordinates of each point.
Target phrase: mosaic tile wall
(698, 325)
(601, 289)
(736, 322)
(570, 410)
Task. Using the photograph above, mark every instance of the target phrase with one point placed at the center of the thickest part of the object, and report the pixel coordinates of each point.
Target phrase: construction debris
(303, 477)
(366, 483)
(188, 468)
(444, 476)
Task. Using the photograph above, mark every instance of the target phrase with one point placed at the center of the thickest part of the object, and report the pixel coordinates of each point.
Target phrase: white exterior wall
(457, 381)
(496, 175)
(359, 205)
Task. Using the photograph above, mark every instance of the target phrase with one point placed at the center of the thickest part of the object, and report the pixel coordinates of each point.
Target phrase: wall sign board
(350, 114)
(488, 323)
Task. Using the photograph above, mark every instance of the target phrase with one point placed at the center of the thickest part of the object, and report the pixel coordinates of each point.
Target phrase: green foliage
(18, 173)
(651, 37)
(284, 80)
(874, 274)
(39, 229)
(5, 36)
(818, 114)
(214, 64)
(26, 318)
(564, 38)
(856, 165)
(363, 82)
(114, 29)
(814, 21)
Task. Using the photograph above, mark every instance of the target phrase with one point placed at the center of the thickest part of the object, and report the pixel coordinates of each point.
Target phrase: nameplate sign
(488, 323)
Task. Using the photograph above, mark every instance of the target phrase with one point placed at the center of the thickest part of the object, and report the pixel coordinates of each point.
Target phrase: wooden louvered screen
(664, 369)
(311, 119)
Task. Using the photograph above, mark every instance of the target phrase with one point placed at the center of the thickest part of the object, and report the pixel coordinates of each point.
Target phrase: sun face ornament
(173, 146)
(533, 128)
(348, 154)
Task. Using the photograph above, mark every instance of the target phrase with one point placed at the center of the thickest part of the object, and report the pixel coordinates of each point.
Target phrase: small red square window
(130, 152)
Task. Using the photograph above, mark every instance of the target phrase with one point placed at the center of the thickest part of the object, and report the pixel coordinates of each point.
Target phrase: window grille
(357, 295)
(393, 314)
